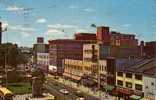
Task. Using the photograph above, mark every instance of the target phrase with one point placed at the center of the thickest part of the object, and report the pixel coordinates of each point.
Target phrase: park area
(20, 88)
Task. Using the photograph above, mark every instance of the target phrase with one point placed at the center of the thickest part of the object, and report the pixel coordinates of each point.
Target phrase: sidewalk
(98, 94)
(47, 96)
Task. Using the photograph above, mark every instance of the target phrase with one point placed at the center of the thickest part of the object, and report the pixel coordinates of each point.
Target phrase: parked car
(80, 98)
(64, 91)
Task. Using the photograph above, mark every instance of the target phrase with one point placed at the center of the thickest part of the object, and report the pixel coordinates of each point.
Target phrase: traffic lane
(73, 90)
(58, 88)
(57, 94)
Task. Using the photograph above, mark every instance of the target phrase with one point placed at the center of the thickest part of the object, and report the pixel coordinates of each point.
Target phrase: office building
(61, 49)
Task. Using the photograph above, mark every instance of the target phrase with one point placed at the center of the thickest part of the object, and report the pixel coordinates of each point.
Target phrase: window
(128, 84)
(138, 77)
(138, 87)
(152, 84)
(120, 83)
(146, 87)
(129, 75)
(120, 73)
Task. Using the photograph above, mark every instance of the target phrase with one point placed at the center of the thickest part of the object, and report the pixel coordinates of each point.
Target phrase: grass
(20, 88)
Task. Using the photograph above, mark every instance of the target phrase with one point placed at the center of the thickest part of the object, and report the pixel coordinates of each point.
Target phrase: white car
(64, 91)
(81, 98)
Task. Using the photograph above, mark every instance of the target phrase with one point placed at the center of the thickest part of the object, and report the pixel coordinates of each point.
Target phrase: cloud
(41, 20)
(21, 28)
(24, 31)
(61, 26)
(126, 25)
(14, 8)
(59, 31)
(81, 30)
(49, 31)
(25, 34)
(73, 7)
(89, 10)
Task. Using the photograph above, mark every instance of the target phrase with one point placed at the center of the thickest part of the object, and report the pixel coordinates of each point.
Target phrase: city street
(72, 88)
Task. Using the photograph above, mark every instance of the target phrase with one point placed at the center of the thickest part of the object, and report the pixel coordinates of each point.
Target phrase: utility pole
(0, 32)
(5, 54)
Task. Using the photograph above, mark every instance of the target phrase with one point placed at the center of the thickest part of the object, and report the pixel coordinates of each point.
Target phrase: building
(126, 40)
(124, 45)
(90, 52)
(40, 40)
(150, 81)
(150, 49)
(85, 36)
(43, 60)
(61, 49)
(132, 76)
(76, 69)
(103, 35)
(116, 44)
(39, 47)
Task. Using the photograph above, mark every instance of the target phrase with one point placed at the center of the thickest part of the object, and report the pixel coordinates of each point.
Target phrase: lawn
(20, 88)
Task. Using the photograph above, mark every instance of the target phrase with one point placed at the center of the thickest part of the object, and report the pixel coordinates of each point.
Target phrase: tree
(93, 25)
(10, 55)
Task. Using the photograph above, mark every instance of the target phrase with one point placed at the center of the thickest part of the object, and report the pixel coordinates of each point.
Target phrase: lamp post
(5, 54)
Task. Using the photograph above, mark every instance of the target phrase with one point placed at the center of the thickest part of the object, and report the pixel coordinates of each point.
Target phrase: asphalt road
(54, 87)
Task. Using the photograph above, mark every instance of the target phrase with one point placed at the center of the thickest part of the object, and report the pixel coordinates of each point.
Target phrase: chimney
(142, 44)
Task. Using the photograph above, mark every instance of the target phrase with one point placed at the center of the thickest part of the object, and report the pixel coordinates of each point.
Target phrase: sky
(55, 19)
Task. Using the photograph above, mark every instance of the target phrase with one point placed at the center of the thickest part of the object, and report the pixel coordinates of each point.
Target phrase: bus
(5, 94)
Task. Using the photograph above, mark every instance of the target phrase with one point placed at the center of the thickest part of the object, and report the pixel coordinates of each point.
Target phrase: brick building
(85, 36)
(65, 49)
(150, 49)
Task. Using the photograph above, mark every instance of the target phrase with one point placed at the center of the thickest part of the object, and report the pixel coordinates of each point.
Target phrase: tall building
(103, 35)
(39, 47)
(61, 49)
(90, 52)
(0, 32)
(150, 49)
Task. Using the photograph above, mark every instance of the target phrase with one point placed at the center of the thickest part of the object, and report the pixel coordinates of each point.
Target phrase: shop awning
(72, 76)
(123, 90)
(108, 87)
(135, 97)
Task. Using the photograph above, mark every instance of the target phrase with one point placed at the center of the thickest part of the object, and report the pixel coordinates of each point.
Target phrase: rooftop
(142, 66)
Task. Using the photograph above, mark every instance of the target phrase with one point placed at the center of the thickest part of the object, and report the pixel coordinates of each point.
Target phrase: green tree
(10, 55)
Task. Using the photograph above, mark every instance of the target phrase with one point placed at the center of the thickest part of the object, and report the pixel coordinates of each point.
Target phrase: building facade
(135, 77)
(150, 87)
(39, 47)
(76, 69)
(43, 59)
(85, 36)
(150, 82)
(150, 49)
(65, 49)
(90, 52)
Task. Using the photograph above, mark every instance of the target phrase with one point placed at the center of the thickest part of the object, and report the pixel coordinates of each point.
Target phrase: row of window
(129, 75)
(129, 85)
(78, 67)
(90, 51)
